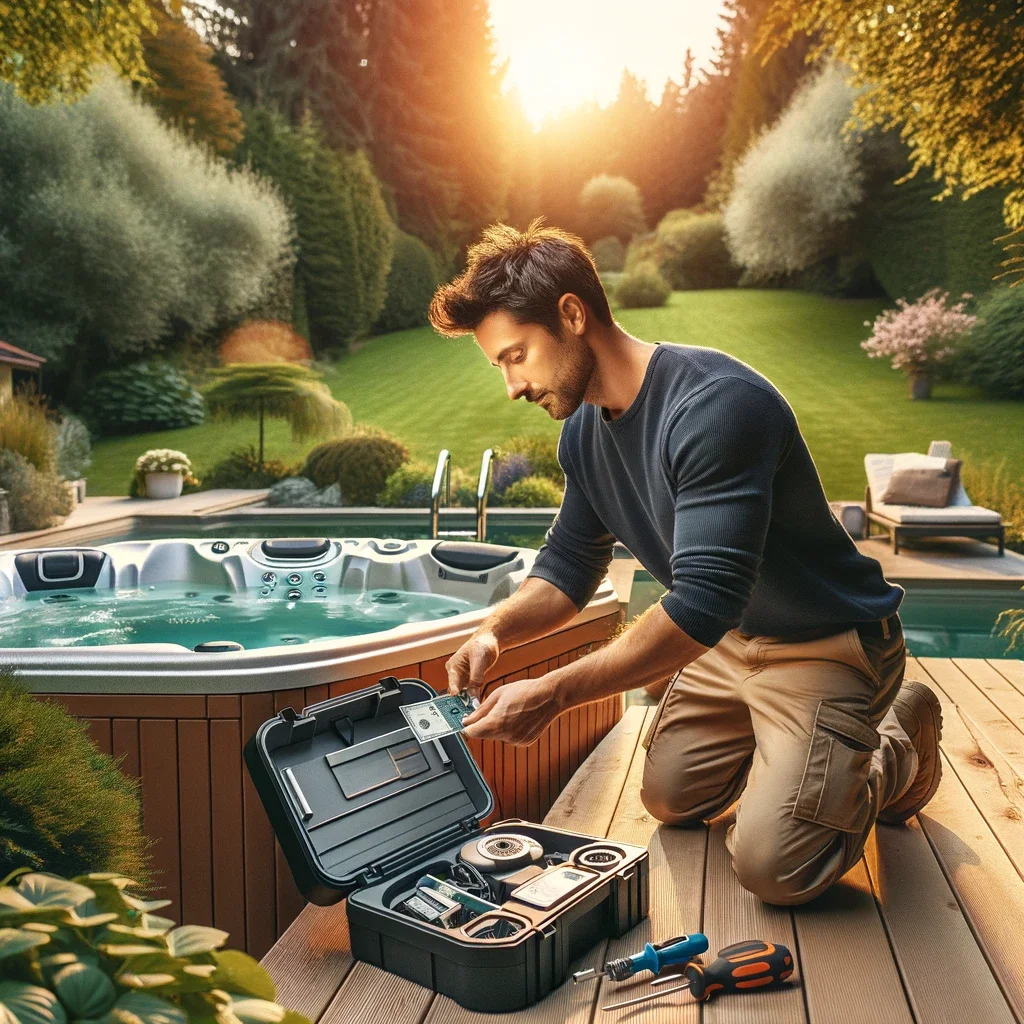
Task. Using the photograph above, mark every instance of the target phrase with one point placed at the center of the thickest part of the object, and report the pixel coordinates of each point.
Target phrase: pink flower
(921, 334)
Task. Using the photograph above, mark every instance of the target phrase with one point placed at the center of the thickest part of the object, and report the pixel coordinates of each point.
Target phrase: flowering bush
(163, 460)
(508, 468)
(921, 334)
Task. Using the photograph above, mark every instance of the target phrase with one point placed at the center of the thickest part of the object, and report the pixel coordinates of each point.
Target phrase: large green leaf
(29, 1004)
(143, 1008)
(252, 1011)
(190, 939)
(14, 941)
(291, 1017)
(239, 972)
(84, 989)
(39, 889)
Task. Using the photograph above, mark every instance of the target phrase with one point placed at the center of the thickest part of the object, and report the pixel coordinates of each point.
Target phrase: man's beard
(569, 388)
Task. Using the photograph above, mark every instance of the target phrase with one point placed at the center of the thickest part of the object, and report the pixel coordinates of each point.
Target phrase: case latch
(301, 728)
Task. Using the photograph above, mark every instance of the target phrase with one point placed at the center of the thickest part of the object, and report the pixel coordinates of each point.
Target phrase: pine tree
(185, 86)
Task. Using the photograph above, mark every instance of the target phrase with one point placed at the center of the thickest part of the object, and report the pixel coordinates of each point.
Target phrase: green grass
(439, 392)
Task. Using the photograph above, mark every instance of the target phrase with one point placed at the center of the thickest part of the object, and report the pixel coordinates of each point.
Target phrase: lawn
(439, 392)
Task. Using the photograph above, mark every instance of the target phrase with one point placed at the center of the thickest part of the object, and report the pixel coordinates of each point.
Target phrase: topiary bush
(642, 287)
(412, 281)
(609, 254)
(36, 498)
(360, 463)
(25, 429)
(74, 448)
(645, 248)
(533, 492)
(611, 205)
(408, 487)
(242, 469)
(539, 450)
(85, 948)
(66, 807)
(992, 355)
(151, 395)
(694, 254)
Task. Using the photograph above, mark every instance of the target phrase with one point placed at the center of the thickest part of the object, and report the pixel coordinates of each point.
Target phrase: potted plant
(163, 472)
(920, 336)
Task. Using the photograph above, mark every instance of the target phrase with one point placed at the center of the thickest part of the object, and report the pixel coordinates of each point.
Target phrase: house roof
(14, 356)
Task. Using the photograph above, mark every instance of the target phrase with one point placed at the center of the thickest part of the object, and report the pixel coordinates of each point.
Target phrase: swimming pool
(938, 621)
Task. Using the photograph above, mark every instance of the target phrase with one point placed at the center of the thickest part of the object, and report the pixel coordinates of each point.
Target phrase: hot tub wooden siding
(215, 855)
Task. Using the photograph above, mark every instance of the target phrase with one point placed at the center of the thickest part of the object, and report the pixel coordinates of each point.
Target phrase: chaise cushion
(921, 480)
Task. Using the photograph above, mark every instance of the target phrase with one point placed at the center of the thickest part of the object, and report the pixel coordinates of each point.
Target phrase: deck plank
(945, 974)
(976, 706)
(996, 687)
(677, 891)
(372, 996)
(1011, 669)
(996, 789)
(731, 914)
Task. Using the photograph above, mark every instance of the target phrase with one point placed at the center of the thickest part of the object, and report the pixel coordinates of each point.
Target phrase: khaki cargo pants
(804, 729)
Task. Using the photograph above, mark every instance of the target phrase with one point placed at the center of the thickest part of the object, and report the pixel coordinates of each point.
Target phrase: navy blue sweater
(707, 480)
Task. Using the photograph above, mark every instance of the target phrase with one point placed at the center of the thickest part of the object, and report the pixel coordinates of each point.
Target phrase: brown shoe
(920, 714)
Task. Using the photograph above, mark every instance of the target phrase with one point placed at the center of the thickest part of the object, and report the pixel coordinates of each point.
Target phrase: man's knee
(763, 868)
(674, 799)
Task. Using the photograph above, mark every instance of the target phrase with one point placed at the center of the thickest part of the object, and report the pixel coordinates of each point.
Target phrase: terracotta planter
(921, 385)
(164, 485)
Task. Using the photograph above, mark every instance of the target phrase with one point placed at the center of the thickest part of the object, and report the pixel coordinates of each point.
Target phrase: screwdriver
(653, 958)
(739, 967)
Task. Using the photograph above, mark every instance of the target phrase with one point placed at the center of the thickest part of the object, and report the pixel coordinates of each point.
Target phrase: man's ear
(573, 312)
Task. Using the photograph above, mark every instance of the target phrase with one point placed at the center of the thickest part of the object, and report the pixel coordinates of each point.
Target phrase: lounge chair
(958, 519)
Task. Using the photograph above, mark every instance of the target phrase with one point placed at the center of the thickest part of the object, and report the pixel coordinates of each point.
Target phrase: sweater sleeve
(578, 548)
(722, 449)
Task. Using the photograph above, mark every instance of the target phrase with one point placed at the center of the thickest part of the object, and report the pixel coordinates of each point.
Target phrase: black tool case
(362, 810)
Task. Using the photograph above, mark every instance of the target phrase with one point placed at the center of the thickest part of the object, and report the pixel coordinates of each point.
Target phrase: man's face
(551, 372)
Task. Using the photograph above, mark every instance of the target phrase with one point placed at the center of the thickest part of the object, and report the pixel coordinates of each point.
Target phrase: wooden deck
(926, 929)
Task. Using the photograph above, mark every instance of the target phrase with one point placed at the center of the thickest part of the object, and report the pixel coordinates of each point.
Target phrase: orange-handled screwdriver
(740, 967)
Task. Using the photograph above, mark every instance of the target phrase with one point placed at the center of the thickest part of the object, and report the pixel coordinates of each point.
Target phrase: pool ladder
(443, 480)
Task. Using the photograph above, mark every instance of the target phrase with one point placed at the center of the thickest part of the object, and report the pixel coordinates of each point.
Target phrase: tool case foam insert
(362, 810)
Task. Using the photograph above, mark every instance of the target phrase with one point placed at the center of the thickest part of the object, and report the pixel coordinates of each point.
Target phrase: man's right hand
(467, 667)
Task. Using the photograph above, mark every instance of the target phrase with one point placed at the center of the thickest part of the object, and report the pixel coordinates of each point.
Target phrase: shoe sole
(935, 710)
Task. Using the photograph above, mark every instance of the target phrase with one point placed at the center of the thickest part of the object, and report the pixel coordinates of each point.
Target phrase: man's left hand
(515, 712)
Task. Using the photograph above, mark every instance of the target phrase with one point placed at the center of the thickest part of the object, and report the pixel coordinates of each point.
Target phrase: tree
(120, 236)
(186, 86)
(949, 75)
(283, 390)
(49, 50)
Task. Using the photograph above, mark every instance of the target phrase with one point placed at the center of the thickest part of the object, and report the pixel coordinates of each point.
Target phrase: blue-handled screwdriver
(653, 958)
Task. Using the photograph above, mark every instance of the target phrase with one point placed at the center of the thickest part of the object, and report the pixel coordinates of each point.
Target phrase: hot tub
(175, 650)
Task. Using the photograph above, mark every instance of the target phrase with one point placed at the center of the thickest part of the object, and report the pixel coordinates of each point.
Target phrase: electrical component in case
(501, 851)
(601, 858)
(433, 907)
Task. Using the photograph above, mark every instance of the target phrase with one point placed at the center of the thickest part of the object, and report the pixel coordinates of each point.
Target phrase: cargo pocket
(833, 790)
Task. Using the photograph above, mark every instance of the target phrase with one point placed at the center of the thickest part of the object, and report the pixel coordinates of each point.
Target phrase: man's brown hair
(524, 273)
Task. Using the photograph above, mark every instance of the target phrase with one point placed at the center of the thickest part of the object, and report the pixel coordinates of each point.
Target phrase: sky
(562, 52)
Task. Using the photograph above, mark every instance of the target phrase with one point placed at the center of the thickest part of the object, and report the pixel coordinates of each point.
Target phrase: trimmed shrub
(412, 281)
(799, 185)
(641, 287)
(408, 487)
(264, 341)
(67, 808)
(611, 205)
(540, 451)
(36, 498)
(119, 234)
(25, 429)
(609, 254)
(694, 253)
(74, 448)
(242, 469)
(533, 492)
(360, 463)
(136, 399)
(509, 468)
(644, 248)
(992, 356)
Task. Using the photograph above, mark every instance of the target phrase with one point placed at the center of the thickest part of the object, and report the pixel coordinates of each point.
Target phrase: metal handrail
(483, 488)
(442, 477)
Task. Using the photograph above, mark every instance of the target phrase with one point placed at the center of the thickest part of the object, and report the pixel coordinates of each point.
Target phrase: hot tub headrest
(303, 548)
(59, 570)
(472, 556)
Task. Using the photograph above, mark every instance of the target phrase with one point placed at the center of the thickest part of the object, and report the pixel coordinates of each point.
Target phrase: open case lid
(352, 794)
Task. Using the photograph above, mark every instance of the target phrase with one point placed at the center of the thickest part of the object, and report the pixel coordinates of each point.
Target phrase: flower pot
(164, 485)
(921, 385)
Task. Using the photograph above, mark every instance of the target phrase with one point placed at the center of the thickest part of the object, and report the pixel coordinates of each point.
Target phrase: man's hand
(515, 712)
(467, 667)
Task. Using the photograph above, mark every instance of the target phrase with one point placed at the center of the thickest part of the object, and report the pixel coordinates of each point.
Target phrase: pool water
(189, 614)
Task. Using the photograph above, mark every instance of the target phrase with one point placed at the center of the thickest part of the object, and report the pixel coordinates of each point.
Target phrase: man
(784, 641)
